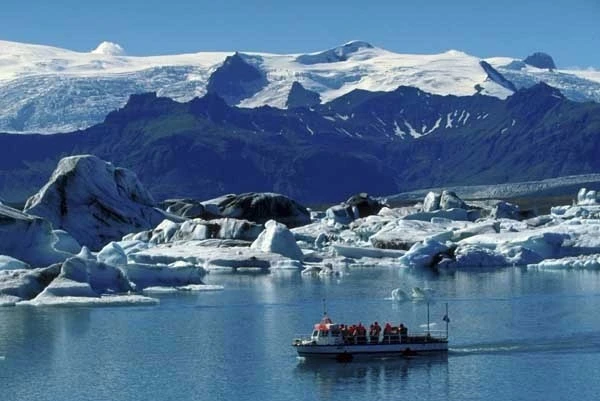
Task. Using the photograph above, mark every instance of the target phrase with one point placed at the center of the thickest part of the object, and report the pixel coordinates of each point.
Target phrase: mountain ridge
(381, 143)
(48, 90)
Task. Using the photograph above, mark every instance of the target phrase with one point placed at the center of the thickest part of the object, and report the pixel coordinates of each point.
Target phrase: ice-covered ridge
(48, 89)
(549, 187)
(21, 60)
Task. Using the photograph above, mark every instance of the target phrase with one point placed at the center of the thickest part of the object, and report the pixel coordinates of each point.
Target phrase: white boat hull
(350, 351)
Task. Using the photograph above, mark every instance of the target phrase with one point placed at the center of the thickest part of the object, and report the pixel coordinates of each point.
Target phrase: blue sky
(568, 30)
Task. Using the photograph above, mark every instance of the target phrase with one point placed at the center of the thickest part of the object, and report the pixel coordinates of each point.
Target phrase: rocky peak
(142, 105)
(236, 79)
(299, 96)
(337, 54)
(540, 60)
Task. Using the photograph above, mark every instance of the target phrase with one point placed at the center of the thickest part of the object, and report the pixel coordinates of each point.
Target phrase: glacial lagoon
(516, 334)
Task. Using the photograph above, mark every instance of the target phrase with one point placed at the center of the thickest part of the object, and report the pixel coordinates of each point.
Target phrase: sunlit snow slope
(47, 89)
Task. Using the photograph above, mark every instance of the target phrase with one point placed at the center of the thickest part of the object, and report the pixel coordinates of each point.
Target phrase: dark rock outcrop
(299, 96)
(357, 206)
(260, 208)
(186, 208)
(365, 204)
(540, 60)
(236, 79)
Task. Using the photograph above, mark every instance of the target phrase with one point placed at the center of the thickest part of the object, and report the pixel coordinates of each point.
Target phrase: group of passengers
(357, 334)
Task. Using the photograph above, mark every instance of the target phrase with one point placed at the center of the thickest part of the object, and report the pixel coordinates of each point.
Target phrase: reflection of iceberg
(416, 294)
(399, 295)
(425, 294)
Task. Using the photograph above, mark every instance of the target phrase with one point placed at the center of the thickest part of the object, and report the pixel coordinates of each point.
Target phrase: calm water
(515, 335)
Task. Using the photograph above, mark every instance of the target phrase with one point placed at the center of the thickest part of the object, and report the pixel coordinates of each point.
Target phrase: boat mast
(446, 319)
(428, 318)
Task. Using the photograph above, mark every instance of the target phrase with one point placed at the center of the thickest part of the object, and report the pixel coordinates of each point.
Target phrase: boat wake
(578, 342)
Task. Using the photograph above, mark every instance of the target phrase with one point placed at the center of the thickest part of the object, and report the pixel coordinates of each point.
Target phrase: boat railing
(392, 338)
(427, 336)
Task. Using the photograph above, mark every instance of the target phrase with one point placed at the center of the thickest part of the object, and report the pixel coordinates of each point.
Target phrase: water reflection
(372, 374)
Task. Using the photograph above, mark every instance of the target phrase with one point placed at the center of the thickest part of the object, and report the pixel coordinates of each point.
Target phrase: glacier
(46, 89)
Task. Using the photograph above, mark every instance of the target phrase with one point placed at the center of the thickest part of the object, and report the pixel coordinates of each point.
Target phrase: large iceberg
(94, 201)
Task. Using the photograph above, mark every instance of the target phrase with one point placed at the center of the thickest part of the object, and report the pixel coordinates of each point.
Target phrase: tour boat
(331, 340)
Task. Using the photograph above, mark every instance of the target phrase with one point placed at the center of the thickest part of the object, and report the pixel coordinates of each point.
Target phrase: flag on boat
(446, 319)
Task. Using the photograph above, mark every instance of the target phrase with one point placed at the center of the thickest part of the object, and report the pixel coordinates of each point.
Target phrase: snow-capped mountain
(375, 142)
(47, 89)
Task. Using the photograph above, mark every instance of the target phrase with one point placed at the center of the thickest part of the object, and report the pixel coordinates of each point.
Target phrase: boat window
(314, 334)
(323, 333)
(335, 333)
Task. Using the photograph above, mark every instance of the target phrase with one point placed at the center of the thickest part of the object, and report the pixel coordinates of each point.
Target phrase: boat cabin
(327, 334)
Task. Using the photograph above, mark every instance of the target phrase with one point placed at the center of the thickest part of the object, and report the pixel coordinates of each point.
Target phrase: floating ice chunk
(104, 300)
(399, 295)
(286, 264)
(418, 294)
(431, 201)
(585, 197)
(277, 238)
(328, 271)
(184, 288)
(586, 262)
(176, 274)
(201, 287)
(477, 256)
(423, 254)
(311, 270)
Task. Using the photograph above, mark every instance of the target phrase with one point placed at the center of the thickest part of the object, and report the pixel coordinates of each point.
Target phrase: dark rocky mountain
(299, 96)
(380, 143)
(236, 79)
(540, 60)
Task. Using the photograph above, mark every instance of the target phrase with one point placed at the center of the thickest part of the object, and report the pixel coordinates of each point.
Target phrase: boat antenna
(324, 307)
(446, 319)
(427, 318)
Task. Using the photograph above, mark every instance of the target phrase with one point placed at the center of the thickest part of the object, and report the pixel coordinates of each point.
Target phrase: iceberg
(29, 239)
(22, 284)
(94, 201)
(277, 238)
